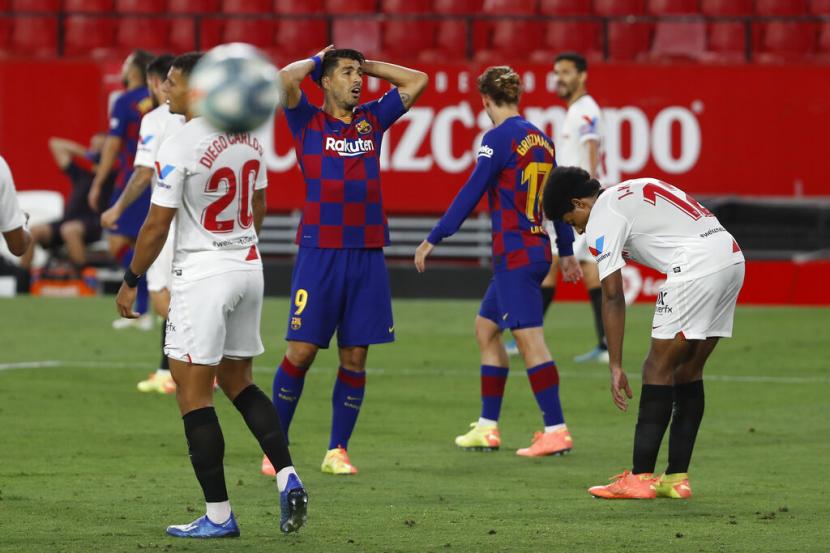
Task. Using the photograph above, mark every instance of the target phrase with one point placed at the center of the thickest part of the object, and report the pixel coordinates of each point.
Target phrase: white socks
(487, 422)
(282, 477)
(218, 513)
(555, 427)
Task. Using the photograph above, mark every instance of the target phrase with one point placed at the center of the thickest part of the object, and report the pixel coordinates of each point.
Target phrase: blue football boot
(293, 505)
(203, 528)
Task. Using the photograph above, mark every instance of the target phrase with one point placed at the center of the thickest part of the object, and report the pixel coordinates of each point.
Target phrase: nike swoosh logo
(658, 326)
(391, 329)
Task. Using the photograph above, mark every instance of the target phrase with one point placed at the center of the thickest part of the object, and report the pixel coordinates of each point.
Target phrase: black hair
(186, 62)
(160, 66)
(330, 60)
(563, 185)
(578, 60)
(500, 83)
(140, 59)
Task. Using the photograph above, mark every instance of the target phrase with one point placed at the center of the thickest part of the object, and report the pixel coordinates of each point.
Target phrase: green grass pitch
(89, 464)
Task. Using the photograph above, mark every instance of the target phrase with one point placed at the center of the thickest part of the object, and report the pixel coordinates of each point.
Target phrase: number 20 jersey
(660, 226)
(210, 177)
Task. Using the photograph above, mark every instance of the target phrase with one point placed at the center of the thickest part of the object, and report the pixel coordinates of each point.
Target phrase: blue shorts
(514, 298)
(133, 217)
(340, 289)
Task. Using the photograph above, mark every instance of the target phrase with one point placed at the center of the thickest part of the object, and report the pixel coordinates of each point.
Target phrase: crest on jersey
(296, 323)
(363, 127)
(596, 249)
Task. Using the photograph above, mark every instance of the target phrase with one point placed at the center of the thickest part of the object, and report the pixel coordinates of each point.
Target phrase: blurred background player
(512, 164)
(216, 300)
(340, 280)
(580, 145)
(662, 227)
(79, 225)
(121, 144)
(12, 219)
(156, 126)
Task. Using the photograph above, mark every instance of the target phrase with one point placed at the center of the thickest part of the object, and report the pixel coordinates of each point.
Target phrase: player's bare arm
(150, 241)
(138, 183)
(18, 240)
(613, 317)
(108, 154)
(592, 149)
(410, 82)
(259, 208)
(63, 149)
(293, 74)
(571, 271)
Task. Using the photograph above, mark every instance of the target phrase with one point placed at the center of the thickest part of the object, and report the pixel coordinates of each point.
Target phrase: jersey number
(534, 175)
(689, 205)
(247, 177)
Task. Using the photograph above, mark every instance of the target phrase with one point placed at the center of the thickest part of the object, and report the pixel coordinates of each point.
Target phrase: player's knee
(70, 230)
(301, 354)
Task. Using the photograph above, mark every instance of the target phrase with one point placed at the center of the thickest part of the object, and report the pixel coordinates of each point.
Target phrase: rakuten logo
(349, 148)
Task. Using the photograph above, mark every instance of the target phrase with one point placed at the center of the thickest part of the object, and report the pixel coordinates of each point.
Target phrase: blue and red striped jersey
(125, 121)
(513, 163)
(340, 163)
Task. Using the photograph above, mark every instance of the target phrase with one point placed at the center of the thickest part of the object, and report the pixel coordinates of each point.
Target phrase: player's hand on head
(571, 271)
(421, 254)
(322, 52)
(124, 302)
(620, 390)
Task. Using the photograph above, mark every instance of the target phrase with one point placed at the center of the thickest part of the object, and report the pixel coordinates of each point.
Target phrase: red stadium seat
(193, 6)
(619, 7)
(457, 7)
(714, 8)
(628, 41)
(300, 38)
(210, 33)
(726, 42)
(820, 7)
(823, 49)
(259, 32)
(405, 39)
(565, 7)
(141, 6)
(42, 6)
(182, 35)
(83, 34)
(246, 6)
(562, 36)
(780, 7)
(91, 6)
(450, 42)
(143, 32)
(672, 7)
(351, 6)
(679, 40)
(406, 6)
(6, 24)
(785, 41)
(509, 40)
(298, 6)
(509, 7)
(34, 36)
(361, 34)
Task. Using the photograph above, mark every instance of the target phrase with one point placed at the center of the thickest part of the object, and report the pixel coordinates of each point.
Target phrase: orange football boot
(627, 486)
(558, 442)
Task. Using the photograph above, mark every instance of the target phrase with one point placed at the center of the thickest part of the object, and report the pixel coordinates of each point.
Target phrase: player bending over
(514, 159)
(662, 227)
(213, 183)
(340, 280)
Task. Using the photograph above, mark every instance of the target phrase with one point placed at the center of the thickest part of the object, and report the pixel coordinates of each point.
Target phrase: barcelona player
(340, 281)
(121, 144)
(514, 159)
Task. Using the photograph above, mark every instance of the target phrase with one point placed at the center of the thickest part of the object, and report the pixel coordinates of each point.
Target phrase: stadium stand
(36, 6)
(193, 6)
(34, 36)
(726, 8)
(141, 6)
(88, 6)
(565, 7)
(295, 7)
(246, 6)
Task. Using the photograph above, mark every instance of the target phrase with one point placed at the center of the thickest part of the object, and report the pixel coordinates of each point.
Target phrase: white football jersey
(156, 126)
(11, 216)
(583, 122)
(660, 226)
(210, 177)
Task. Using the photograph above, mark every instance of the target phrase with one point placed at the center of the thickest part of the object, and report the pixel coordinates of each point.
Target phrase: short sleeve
(172, 174)
(11, 216)
(119, 117)
(606, 235)
(149, 141)
(299, 116)
(262, 177)
(589, 125)
(388, 108)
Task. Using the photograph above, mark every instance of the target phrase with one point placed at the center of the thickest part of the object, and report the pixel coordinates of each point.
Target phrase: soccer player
(340, 280)
(12, 219)
(664, 228)
(156, 126)
(213, 183)
(514, 159)
(121, 144)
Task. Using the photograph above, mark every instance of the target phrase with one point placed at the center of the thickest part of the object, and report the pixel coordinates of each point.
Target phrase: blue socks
(493, 380)
(286, 391)
(346, 401)
(544, 381)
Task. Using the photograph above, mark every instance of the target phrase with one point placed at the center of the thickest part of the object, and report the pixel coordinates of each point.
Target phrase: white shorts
(214, 317)
(160, 273)
(700, 308)
(580, 245)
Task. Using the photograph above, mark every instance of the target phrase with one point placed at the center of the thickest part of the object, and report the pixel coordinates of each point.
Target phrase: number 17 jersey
(210, 177)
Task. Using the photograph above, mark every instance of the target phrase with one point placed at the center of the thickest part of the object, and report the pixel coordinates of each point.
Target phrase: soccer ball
(235, 87)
